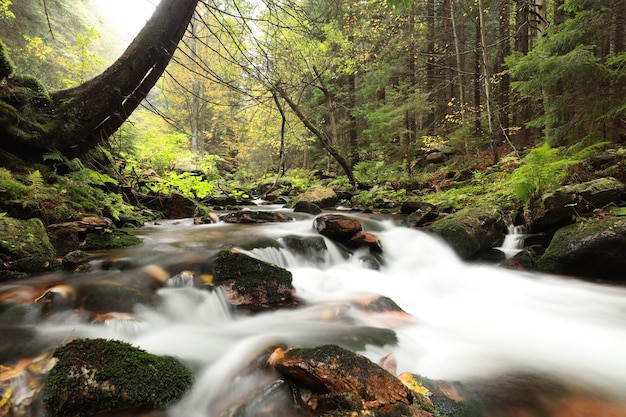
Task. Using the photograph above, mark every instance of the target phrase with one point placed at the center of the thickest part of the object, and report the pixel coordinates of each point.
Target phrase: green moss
(103, 297)
(6, 65)
(98, 375)
(251, 276)
(110, 239)
(24, 239)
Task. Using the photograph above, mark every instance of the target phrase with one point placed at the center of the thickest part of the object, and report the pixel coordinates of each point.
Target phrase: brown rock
(177, 206)
(331, 369)
(337, 227)
(249, 216)
(366, 239)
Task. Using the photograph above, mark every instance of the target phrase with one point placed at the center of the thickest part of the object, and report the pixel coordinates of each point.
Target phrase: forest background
(357, 93)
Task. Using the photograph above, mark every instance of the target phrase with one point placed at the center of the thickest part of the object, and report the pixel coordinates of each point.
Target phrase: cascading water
(513, 241)
(466, 321)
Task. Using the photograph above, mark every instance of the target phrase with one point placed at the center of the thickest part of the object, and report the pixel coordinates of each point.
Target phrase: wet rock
(110, 239)
(24, 245)
(310, 247)
(323, 197)
(572, 201)
(249, 216)
(337, 376)
(89, 233)
(93, 376)
(420, 213)
(593, 249)
(95, 297)
(177, 206)
(209, 218)
(365, 240)
(471, 230)
(102, 297)
(337, 227)
(252, 284)
(307, 207)
(75, 259)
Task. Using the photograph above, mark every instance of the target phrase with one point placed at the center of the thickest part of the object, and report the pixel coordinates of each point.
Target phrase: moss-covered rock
(569, 202)
(592, 249)
(23, 242)
(251, 283)
(98, 375)
(323, 197)
(471, 230)
(110, 239)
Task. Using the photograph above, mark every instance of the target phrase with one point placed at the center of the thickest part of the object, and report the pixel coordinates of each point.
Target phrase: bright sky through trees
(126, 16)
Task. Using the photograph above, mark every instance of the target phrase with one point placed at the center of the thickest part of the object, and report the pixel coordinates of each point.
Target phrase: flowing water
(466, 322)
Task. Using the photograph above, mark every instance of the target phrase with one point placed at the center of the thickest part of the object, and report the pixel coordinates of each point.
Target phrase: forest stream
(476, 324)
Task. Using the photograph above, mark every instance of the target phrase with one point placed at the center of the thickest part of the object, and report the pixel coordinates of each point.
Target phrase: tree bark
(522, 44)
(78, 119)
(320, 135)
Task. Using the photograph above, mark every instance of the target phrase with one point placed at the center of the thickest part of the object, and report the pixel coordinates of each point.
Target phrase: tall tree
(73, 121)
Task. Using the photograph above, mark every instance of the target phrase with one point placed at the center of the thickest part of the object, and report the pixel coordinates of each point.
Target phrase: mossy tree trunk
(75, 120)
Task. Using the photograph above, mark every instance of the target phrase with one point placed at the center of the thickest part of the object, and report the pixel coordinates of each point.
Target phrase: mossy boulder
(569, 202)
(303, 206)
(252, 284)
(323, 197)
(109, 239)
(471, 230)
(593, 249)
(23, 243)
(97, 375)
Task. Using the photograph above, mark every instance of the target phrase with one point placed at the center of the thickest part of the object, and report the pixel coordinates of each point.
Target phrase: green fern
(543, 170)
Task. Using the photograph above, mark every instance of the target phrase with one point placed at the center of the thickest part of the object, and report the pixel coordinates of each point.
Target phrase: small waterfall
(513, 241)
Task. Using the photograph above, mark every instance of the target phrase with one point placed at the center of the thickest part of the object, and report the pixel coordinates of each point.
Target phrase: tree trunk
(522, 44)
(487, 80)
(78, 119)
(321, 136)
(505, 83)
(430, 64)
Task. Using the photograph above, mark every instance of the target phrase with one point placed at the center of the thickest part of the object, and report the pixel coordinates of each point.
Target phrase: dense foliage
(360, 90)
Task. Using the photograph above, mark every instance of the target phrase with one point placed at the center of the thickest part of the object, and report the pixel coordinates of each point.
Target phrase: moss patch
(95, 375)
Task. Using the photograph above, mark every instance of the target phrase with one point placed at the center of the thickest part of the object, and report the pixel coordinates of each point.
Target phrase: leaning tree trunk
(77, 119)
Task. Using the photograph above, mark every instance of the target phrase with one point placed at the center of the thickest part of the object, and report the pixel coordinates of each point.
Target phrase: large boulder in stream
(592, 249)
(572, 201)
(471, 231)
(337, 227)
(340, 379)
(94, 376)
(252, 284)
(24, 245)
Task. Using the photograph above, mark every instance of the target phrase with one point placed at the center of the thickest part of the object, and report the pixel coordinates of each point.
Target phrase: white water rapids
(467, 320)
